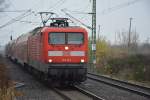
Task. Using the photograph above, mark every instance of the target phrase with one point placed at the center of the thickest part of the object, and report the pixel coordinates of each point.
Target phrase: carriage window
(57, 38)
(75, 38)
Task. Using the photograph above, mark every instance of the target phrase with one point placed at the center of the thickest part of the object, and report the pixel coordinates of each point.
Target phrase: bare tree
(123, 39)
(134, 39)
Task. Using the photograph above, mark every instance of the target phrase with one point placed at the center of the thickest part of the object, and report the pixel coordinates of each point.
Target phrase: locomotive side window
(75, 38)
(57, 38)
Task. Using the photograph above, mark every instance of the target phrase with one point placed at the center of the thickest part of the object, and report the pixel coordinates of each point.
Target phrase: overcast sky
(112, 15)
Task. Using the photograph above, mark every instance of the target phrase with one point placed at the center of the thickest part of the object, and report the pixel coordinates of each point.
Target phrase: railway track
(93, 96)
(36, 89)
(76, 93)
(140, 90)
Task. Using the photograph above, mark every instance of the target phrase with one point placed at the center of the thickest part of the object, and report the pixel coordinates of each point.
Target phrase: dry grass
(6, 88)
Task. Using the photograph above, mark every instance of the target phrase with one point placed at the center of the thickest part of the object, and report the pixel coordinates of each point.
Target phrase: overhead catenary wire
(109, 10)
(21, 21)
(82, 17)
(13, 11)
(78, 12)
(59, 2)
(63, 10)
(81, 10)
(117, 7)
(85, 10)
(12, 4)
(17, 18)
(16, 11)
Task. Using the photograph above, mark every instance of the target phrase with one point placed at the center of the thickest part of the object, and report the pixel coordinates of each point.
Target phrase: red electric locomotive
(58, 52)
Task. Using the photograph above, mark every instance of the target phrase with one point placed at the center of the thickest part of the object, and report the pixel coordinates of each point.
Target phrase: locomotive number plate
(66, 53)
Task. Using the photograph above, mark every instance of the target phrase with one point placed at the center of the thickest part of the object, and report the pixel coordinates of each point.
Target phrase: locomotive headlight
(50, 60)
(66, 48)
(82, 60)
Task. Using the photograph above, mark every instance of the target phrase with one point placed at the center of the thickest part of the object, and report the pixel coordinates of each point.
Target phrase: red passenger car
(56, 52)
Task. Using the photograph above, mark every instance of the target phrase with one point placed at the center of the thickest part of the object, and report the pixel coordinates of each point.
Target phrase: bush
(139, 73)
(135, 67)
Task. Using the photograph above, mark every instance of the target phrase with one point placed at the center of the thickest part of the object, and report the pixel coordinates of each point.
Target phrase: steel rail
(93, 96)
(118, 84)
(65, 97)
(121, 81)
(85, 92)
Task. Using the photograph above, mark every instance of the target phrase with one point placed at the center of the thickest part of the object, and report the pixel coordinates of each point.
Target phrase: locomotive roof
(38, 29)
(69, 28)
(34, 31)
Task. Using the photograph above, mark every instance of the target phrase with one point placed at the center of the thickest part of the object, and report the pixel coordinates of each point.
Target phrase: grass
(6, 88)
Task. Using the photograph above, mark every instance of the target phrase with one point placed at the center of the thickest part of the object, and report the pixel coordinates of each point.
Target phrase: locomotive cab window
(66, 38)
(57, 38)
(75, 38)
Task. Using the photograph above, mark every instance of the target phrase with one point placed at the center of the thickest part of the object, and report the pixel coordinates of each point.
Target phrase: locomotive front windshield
(57, 38)
(66, 38)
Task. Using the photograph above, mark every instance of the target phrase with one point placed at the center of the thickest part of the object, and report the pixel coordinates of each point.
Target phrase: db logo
(66, 53)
